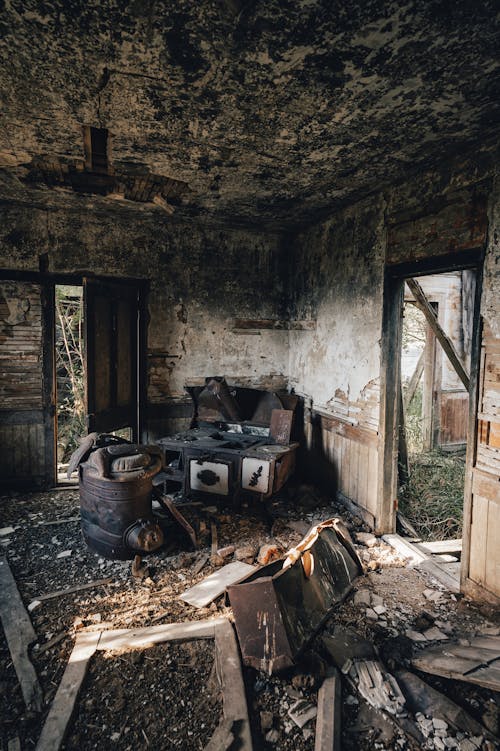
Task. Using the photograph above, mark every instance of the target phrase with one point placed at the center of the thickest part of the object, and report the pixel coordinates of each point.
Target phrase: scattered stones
(366, 538)
(246, 553)
(272, 736)
(415, 635)
(434, 634)
(226, 552)
(362, 597)
(301, 712)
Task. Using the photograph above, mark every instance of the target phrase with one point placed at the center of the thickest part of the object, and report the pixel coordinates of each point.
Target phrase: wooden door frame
(390, 386)
(48, 282)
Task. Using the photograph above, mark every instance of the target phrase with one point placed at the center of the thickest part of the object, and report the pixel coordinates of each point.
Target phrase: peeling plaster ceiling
(272, 111)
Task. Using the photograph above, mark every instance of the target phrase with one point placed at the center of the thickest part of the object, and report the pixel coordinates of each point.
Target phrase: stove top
(214, 438)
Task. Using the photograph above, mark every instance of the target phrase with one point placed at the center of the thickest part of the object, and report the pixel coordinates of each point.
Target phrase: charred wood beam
(424, 305)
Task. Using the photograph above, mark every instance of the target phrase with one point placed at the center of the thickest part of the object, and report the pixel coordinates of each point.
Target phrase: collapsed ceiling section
(271, 111)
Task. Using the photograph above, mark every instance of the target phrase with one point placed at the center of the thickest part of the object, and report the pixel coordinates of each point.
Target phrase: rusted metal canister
(116, 517)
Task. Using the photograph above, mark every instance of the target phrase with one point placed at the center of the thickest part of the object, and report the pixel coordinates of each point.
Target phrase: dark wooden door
(112, 355)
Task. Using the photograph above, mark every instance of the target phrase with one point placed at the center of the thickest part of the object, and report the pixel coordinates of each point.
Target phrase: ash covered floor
(396, 608)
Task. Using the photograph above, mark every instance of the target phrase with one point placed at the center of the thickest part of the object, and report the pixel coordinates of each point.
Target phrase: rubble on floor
(392, 616)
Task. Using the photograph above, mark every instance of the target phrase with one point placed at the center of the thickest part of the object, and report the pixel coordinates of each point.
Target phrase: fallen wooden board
(442, 546)
(19, 633)
(329, 714)
(406, 549)
(234, 705)
(208, 589)
(421, 697)
(474, 664)
(76, 588)
(446, 573)
(143, 637)
(54, 730)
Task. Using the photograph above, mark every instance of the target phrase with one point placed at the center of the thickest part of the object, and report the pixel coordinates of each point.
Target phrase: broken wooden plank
(143, 637)
(19, 633)
(473, 664)
(76, 588)
(446, 573)
(52, 642)
(329, 714)
(54, 730)
(406, 549)
(208, 589)
(234, 705)
(442, 546)
(421, 697)
(222, 739)
(200, 563)
(423, 304)
(443, 572)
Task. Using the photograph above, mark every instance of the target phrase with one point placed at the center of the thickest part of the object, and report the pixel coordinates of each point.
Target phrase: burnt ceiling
(270, 111)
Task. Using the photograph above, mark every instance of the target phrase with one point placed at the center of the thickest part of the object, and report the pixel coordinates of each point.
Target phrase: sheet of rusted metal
(278, 609)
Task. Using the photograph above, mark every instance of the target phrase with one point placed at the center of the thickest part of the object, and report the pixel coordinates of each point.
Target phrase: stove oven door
(210, 473)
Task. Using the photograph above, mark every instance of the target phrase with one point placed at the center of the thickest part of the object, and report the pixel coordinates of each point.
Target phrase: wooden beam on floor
(424, 305)
(19, 633)
(329, 714)
(446, 573)
(57, 721)
(437, 547)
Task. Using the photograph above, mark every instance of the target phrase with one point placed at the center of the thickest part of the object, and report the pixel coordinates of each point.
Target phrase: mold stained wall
(200, 279)
(339, 276)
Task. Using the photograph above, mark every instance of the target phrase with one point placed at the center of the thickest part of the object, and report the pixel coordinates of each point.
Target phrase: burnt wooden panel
(24, 444)
(484, 561)
(453, 418)
(453, 224)
(20, 345)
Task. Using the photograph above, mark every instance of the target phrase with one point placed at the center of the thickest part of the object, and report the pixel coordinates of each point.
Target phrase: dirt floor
(46, 553)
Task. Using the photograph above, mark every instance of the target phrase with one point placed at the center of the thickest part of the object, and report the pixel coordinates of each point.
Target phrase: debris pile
(401, 663)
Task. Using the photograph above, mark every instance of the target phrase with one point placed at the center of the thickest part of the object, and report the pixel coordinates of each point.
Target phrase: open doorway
(99, 345)
(70, 381)
(436, 345)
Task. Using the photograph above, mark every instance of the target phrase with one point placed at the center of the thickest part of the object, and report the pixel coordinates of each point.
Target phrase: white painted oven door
(255, 475)
(209, 477)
